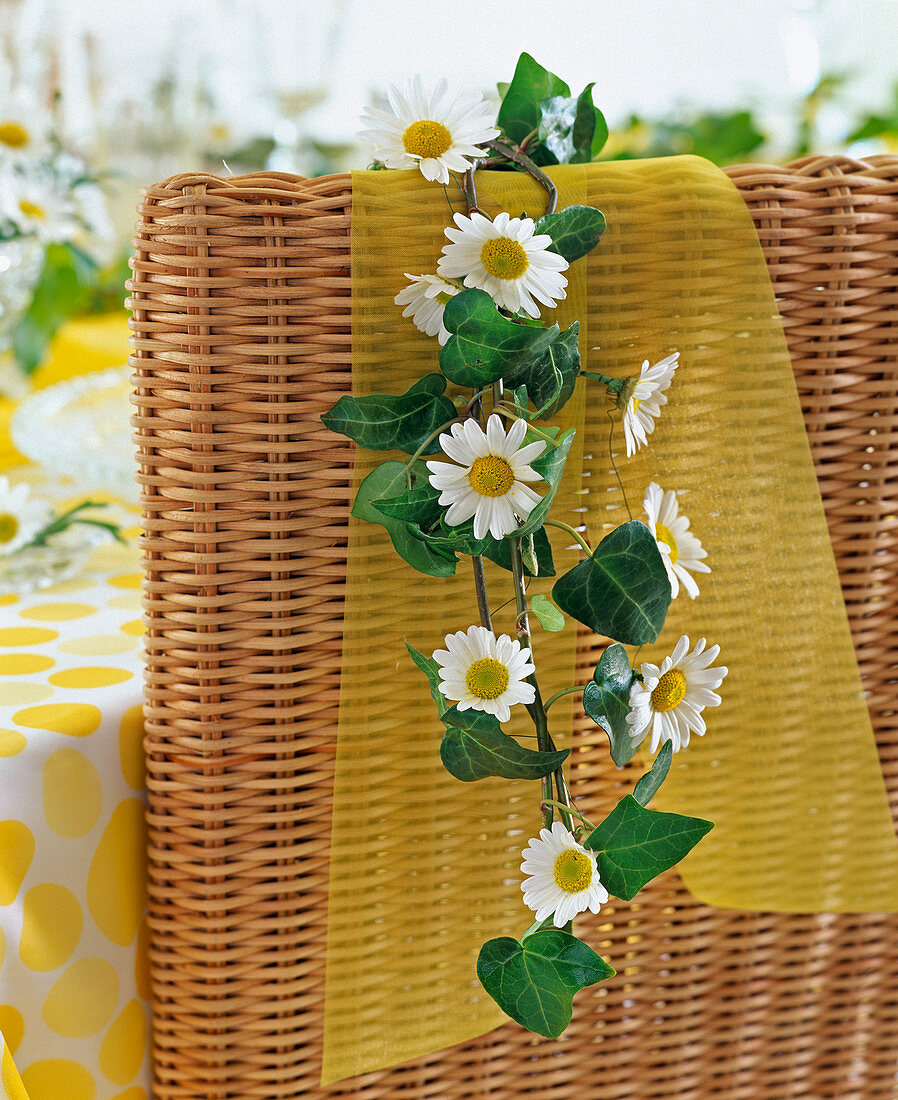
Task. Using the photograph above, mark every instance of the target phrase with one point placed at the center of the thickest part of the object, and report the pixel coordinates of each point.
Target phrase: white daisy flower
(22, 516)
(38, 206)
(424, 301)
(479, 671)
(670, 699)
(504, 258)
(488, 484)
(24, 124)
(681, 550)
(431, 132)
(641, 401)
(564, 877)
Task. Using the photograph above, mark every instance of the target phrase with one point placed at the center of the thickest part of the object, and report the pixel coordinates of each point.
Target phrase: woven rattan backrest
(241, 298)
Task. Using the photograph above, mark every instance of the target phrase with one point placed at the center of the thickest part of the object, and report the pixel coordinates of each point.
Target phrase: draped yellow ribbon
(424, 869)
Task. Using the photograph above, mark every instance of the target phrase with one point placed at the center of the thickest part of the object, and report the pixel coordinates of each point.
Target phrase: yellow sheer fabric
(424, 869)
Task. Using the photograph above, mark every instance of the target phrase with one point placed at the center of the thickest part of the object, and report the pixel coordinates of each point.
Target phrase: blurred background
(115, 93)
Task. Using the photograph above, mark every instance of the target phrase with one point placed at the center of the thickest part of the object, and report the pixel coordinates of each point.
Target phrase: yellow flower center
(637, 401)
(504, 258)
(13, 135)
(572, 871)
(664, 535)
(9, 527)
(427, 139)
(669, 690)
(32, 209)
(491, 476)
(486, 678)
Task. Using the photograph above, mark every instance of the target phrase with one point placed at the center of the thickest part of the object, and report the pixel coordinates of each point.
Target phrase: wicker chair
(744, 1005)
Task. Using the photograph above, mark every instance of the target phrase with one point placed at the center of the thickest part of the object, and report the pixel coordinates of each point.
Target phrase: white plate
(81, 429)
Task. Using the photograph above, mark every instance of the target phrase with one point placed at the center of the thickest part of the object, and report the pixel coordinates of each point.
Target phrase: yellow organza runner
(424, 868)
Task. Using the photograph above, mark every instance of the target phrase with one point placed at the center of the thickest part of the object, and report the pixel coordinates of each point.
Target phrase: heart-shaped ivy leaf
(475, 747)
(534, 982)
(550, 380)
(547, 614)
(383, 422)
(575, 230)
(519, 112)
(483, 344)
(648, 784)
(606, 699)
(633, 845)
(388, 480)
(622, 591)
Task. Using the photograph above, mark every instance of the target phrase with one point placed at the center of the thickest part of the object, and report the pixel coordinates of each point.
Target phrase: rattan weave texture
(241, 340)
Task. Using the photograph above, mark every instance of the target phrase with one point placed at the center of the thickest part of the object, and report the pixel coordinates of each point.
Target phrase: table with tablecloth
(74, 996)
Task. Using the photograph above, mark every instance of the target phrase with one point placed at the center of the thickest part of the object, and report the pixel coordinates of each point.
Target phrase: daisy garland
(480, 482)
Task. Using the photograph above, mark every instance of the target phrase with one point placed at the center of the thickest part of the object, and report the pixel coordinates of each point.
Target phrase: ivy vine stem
(510, 152)
(483, 605)
(571, 531)
(536, 709)
(559, 694)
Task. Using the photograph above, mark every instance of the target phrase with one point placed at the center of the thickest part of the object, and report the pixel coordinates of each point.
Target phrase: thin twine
(614, 464)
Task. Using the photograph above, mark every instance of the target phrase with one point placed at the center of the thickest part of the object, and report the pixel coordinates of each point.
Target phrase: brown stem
(483, 605)
(513, 154)
(470, 191)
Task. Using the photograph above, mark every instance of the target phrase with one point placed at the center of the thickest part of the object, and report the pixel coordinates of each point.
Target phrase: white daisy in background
(39, 206)
(641, 400)
(25, 124)
(681, 550)
(669, 701)
(479, 671)
(22, 516)
(431, 132)
(424, 301)
(564, 877)
(504, 258)
(489, 482)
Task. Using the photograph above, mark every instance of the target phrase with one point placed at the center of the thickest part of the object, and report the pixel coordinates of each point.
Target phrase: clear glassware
(20, 265)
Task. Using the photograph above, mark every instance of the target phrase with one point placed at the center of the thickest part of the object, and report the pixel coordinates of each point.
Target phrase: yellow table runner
(423, 868)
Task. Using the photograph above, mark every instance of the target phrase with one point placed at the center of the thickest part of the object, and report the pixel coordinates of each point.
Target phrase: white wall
(645, 55)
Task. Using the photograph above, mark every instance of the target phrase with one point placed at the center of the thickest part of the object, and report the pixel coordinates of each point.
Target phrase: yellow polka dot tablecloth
(74, 997)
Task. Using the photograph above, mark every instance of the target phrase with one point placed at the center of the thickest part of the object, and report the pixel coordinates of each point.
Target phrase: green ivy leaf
(648, 784)
(383, 422)
(575, 230)
(499, 551)
(550, 380)
(484, 345)
(519, 112)
(606, 699)
(534, 982)
(418, 505)
(548, 615)
(475, 747)
(550, 466)
(451, 540)
(633, 845)
(63, 288)
(387, 480)
(432, 671)
(622, 591)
